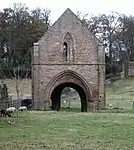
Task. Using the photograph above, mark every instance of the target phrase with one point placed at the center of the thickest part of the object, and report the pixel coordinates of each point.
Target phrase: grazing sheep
(11, 109)
(22, 108)
(110, 105)
(9, 122)
(64, 102)
(4, 113)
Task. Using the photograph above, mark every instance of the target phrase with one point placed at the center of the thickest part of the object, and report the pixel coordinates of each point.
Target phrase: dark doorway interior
(56, 96)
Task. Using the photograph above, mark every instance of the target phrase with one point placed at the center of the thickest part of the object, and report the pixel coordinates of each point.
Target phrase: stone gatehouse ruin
(68, 55)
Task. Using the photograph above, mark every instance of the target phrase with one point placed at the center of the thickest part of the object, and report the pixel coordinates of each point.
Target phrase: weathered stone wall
(131, 68)
(88, 61)
(51, 44)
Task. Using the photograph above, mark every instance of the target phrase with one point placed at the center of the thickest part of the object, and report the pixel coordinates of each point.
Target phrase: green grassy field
(68, 131)
(121, 93)
(64, 130)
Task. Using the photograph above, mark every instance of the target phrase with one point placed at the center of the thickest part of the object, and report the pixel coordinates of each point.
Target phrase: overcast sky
(57, 7)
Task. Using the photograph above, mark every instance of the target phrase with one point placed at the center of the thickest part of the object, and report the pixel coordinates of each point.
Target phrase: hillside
(121, 93)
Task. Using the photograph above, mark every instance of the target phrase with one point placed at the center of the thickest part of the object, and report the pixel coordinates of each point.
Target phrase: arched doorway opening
(70, 100)
(67, 78)
(56, 96)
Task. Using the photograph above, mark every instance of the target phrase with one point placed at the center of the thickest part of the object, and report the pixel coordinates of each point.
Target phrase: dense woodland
(20, 27)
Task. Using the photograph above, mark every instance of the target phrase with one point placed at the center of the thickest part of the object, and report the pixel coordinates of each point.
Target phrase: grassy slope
(68, 131)
(122, 93)
(24, 87)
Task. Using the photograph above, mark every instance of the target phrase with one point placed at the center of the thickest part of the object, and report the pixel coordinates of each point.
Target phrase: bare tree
(18, 74)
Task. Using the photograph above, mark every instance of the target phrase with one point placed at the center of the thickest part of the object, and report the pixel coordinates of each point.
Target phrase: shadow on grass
(70, 109)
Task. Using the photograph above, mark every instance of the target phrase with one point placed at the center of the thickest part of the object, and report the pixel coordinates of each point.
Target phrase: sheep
(110, 105)
(64, 102)
(11, 109)
(4, 113)
(22, 108)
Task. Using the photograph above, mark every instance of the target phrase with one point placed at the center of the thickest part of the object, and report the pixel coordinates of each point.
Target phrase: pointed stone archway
(64, 79)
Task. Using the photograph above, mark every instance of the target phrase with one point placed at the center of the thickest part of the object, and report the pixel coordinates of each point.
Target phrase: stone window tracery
(68, 48)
